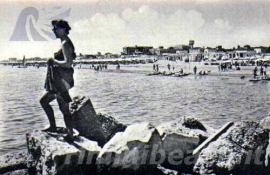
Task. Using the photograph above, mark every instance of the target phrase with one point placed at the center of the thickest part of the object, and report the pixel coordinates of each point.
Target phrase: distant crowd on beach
(156, 67)
(262, 72)
(224, 67)
(256, 72)
(98, 67)
(172, 68)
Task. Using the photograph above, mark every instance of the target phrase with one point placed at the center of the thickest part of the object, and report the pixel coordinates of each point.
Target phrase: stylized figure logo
(30, 27)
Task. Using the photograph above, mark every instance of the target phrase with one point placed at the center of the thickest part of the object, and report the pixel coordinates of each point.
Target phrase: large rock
(93, 126)
(137, 149)
(265, 122)
(17, 172)
(180, 138)
(12, 162)
(48, 155)
(240, 150)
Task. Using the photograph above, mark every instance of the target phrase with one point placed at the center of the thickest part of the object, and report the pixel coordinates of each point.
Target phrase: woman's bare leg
(64, 108)
(44, 101)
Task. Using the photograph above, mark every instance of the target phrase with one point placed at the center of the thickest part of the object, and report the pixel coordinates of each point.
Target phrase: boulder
(240, 150)
(136, 150)
(12, 161)
(97, 127)
(265, 122)
(47, 154)
(180, 138)
(167, 171)
(17, 172)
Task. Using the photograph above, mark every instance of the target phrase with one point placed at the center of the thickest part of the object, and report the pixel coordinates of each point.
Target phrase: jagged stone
(167, 171)
(137, 149)
(265, 122)
(240, 150)
(48, 155)
(17, 172)
(180, 138)
(97, 127)
(12, 162)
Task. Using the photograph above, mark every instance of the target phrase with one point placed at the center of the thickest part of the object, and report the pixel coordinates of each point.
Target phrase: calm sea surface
(131, 97)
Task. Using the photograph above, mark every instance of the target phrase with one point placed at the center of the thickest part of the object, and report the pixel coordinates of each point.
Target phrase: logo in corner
(35, 25)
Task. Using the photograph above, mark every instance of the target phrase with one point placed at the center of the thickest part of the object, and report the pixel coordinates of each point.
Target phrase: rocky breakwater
(142, 148)
(265, 123)
(240, 150)
(97, 127)
(105, 146)
(48, 154)
(133, 151)
(180, 138)
(13, 163)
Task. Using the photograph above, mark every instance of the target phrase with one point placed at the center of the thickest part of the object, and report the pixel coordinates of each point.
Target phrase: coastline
(188, 68)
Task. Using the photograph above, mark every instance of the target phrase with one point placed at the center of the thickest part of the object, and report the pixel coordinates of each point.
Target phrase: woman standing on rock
(59, 79)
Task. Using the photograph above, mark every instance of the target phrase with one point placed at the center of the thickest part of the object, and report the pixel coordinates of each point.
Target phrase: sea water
(131, 97)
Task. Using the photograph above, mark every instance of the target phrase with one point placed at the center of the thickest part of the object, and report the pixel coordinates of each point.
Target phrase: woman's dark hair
(60, 23)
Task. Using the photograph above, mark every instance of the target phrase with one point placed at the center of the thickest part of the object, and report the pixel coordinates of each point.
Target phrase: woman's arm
(68, 55)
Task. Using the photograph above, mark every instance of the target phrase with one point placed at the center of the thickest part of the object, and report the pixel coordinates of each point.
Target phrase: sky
(109, 25)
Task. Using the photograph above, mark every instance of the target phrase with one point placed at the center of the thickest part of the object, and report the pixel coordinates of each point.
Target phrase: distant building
(181, 51)
(258, 50)
(182, 54)
(89, 56)
(172, 53)
(80, 57)
(217, 53)
(100, 56)
(196, 54)
(110, 55)
(181, 47)
(137, 50)
(210, 53)
(262, 50)
(159, 51)
(12, 60)
(85, 57)
(191, 43)
(174, 49)
(34, 59)
(242, 52)
(231, 53)
(221, 53)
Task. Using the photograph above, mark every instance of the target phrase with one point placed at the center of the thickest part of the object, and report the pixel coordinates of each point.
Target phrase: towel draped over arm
(54, 81)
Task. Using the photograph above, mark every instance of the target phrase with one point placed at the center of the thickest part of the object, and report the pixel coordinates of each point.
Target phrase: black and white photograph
(135, 87)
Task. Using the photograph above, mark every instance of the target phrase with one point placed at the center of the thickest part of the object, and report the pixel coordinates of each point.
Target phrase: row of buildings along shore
(177, 52)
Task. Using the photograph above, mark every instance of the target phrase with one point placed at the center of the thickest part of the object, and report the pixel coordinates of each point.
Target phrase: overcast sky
(109, 25)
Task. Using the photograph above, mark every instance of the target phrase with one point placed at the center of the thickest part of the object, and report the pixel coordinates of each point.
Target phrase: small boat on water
(167, 73)
(255, 80)
(23, 65)
(260, 79)
(266, 79)
(181, 75)
(153, 73)
(202, 74)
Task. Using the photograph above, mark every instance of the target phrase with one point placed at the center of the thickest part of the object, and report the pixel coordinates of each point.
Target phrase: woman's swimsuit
(59, 79)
